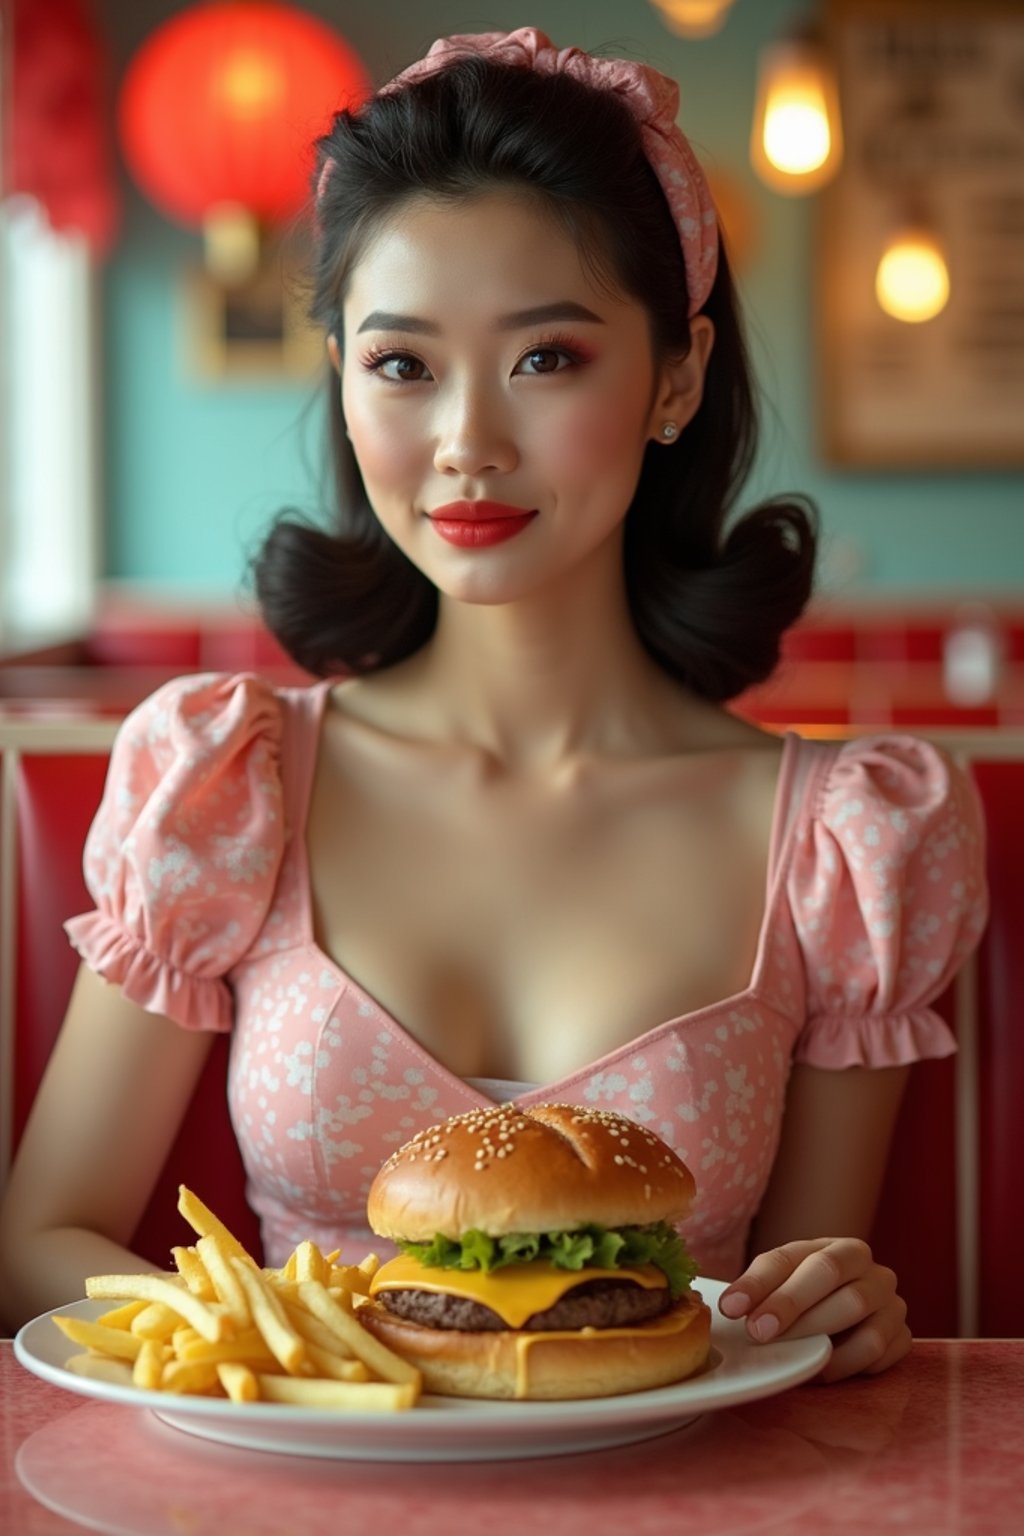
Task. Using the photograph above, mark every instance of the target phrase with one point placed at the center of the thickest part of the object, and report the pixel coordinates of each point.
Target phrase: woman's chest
(324, 1086)
(524, 934)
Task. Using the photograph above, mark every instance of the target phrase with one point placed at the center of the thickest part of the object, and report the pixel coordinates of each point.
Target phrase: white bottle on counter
(972, 657)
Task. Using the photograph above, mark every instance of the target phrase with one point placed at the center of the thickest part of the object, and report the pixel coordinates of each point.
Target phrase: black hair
(710, 602)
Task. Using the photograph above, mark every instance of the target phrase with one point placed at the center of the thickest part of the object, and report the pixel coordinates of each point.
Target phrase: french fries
(220, 1326)
(270, 1318)
(205, 1317)
(353, 1336)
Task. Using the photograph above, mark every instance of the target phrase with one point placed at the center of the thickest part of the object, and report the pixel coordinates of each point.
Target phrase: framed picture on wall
(932, 101)
(254, 330)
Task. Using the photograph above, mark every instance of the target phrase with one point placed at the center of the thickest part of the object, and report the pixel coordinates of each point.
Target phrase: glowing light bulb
(231, 243)
(796, 138)
(252, 83)
(694, 18)
(912, 281)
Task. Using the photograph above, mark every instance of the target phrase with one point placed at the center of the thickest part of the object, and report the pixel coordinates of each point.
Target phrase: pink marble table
(932, 1448)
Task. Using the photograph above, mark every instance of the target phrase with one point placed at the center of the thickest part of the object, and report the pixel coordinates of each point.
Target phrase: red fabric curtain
(59, 126)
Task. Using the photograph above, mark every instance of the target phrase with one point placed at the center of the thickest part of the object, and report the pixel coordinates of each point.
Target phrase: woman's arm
(826, 1179)
(829, 1168)
(114, 1094)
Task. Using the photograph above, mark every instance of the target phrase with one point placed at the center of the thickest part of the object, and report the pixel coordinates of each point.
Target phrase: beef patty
(592, 1304)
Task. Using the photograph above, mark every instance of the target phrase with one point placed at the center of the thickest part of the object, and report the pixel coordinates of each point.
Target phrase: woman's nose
(473, 436)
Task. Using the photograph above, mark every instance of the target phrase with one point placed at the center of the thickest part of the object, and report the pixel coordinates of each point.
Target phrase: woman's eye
(547, 360)
(400, 368)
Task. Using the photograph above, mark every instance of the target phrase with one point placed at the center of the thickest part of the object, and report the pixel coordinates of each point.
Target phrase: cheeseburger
(538, 1256)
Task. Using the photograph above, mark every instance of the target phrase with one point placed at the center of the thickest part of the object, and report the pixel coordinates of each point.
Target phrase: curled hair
(710, 600)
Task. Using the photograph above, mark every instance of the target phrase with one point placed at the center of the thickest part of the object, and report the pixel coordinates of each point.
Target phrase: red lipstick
(479, 524)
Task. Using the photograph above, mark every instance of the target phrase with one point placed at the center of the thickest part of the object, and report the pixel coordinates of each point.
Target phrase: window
(49, 429)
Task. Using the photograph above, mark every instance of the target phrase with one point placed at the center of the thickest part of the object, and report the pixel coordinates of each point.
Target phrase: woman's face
(481, 363)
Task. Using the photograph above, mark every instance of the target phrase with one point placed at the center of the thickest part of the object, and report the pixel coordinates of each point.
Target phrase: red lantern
(60, 150)
(222, 103)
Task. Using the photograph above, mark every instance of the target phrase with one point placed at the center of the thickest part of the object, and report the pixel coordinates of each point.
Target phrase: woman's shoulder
(211, 717)
(203, 757)
(885, 809)
(886, 888)
(191, 822)
(207, 708)
(901, 778)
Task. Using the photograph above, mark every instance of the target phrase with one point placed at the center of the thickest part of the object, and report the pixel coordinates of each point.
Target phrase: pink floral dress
(197, 864)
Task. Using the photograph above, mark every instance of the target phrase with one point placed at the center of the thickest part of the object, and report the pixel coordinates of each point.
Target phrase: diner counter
(931, 1448)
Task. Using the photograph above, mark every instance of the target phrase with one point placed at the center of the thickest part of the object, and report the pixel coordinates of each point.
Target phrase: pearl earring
(669, 431)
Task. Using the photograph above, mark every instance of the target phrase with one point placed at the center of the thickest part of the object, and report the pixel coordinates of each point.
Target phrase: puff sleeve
(887, 893)
(182, 857)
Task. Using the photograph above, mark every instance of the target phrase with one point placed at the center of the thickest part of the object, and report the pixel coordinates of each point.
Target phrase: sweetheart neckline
(781, 839)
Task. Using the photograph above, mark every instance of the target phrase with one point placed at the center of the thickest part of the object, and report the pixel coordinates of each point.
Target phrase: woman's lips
(479, 524)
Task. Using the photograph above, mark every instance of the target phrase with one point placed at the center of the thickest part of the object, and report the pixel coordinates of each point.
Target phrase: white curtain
(50, 454)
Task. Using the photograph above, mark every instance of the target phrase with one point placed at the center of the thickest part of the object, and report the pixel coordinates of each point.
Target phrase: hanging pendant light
(694, 18)
(912, 280)
(796, 141)
(218, 112)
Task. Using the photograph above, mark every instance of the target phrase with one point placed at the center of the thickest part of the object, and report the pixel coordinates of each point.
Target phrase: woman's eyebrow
(541, 314)
(385, 320)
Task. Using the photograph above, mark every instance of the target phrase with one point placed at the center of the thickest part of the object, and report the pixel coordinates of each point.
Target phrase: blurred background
(162, 395)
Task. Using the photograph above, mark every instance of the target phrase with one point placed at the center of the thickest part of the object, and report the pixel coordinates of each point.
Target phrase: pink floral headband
(653, 100)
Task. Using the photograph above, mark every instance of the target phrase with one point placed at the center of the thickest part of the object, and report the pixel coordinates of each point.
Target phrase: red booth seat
(949, 1217)
(53, 776)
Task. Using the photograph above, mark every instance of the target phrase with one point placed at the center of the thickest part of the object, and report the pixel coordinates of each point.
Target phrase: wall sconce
(693, 18)
(912, 280)
(216, 115)
(796, 141)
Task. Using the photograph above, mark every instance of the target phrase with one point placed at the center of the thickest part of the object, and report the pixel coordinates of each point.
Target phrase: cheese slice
(673, 1322)
(515, 1292)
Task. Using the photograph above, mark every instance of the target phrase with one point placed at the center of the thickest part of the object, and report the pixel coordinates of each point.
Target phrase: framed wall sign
(932, 100)
(255, 330)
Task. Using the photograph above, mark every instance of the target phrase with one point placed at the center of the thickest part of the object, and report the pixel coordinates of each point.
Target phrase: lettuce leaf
(590, 1247)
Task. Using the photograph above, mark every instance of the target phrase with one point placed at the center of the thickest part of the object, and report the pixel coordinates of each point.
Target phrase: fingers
(848, 1306)
(764, 1275)
(781, 1286)
(831, 1286)
(873, 1347)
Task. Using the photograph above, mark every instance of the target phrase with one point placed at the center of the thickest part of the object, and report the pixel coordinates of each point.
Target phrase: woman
(523, 830)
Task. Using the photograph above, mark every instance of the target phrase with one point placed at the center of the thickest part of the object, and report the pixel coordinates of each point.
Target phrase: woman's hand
(830, 1285)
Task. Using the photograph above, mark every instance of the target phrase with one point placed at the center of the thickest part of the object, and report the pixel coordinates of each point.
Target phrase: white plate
(453, 1428)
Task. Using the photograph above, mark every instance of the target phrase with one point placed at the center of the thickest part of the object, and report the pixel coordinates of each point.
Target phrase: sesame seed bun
(551, 1168)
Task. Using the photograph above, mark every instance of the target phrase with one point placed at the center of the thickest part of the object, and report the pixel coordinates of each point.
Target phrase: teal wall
(195, 471)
